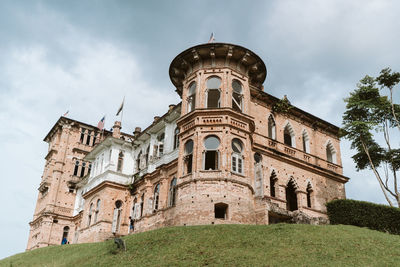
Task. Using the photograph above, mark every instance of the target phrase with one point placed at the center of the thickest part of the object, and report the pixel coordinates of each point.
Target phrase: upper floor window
(120, 161)
(188, 156)
(272, 184)
(176, 137)
(191, 99)
(288, 136)
(271, 127)
(80, 168)
(90, 213)
(309, 196)
(96, 212)
(237, 157)
(146, 156)
(237, 95)
(160, 139)
(76, 168)
(306, 142)
(156, 196)
(138, 160)
(330, 153)
(172, 192)
(213, 92)
(211, 144)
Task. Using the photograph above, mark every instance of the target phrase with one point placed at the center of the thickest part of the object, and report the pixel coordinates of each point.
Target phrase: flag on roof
(66, 113)
(100, 125)
(212, 39)
(121, 107)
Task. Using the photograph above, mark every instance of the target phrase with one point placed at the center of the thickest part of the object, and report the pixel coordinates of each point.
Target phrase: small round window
(237, 145)
(211, 142)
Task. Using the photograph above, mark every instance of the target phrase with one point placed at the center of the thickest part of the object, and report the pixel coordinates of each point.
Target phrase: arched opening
(116, 216)
(138, 160)
(191, 99)
(141, 205)
(188, 160)
(272, 184)
(306, 142)
(288, 136)
(237, 96)
(258, 175)
(90, 213)
(64, 239)
(330, 153)
(221, 211)
(213, 92)
(146, 156)
(96, 212)
(176, 138)
(237, 157)
(291, 196)
(156, 196)
(120, 161)
(271, 127)
(309, 192)
(172, 192)
(76, 168)
(211, 144)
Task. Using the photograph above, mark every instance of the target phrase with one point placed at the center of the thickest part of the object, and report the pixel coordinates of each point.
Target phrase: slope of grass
(229, 245)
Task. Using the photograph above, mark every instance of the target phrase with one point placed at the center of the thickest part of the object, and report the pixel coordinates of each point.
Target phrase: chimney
(156, 118)
(171, 107)
(137, 131)
(117, 129)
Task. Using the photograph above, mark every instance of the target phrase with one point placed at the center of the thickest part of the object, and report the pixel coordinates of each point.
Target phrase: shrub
(364, 214)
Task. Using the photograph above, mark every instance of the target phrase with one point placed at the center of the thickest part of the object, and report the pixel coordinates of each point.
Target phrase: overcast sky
(84, 56)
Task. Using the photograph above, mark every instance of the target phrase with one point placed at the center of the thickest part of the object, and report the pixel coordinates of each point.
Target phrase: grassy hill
(229, 245)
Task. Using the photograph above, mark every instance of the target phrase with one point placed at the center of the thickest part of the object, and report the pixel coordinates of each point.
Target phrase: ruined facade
(228, 153)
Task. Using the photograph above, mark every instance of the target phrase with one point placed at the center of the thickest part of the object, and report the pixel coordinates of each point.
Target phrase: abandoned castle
(229, 153)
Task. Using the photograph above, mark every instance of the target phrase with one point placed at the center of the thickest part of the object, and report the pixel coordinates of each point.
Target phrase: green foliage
(282, 106)
(364, 214)
(229, 245)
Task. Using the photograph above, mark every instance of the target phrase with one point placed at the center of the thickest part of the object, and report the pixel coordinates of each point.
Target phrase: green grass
(229, 245)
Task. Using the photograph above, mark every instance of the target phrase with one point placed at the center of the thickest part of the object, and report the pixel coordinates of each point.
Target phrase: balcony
(296, 154)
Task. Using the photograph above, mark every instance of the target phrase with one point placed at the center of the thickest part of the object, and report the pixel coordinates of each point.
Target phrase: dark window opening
(156, 196)
(64, 239)
(213, 98)
(88, 137)
(172, 192)
(71, 188)
(291, 197)
(82, 136)
(120, 161)
(211, 160)
(287, 138)
(94, 139)
(221, 211)
(309, 191)
(272, 182)
(141, 205)
(176, 138)
(76, 168)
(271, 128)
(83, 169)
(192, 97)
(188, 156)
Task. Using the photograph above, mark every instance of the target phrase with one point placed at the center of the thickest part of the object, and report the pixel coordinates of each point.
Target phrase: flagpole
(122, 111)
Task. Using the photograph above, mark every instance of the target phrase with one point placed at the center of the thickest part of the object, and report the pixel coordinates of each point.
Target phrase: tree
(368, 110)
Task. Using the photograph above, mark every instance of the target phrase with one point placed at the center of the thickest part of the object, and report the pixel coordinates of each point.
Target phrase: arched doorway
(291, 197)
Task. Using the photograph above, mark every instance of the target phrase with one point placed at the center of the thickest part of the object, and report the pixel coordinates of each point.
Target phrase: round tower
(215, 164)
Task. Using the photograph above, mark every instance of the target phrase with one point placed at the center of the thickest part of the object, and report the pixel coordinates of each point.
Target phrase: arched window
(330, 153)
(120, 161)
(90, 213)
(138, 160)
(306, 142)
(83, 169)
(146, 156)
(141, 205)
(288, 136)
(191, 99)
(291, 196)
(213, 92)
(176, 138)
(271, 127)
(116, 216)
(309, 192)
(237, 157)
(258, 175)
(172, 192)
(64, 239)
(135, 209)
(237, 95)
(156, 196)
(96, 212)
(76, 168)
(89, 134)
(272, 183)
(160, 139)
(188, 157)
(211, 144)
